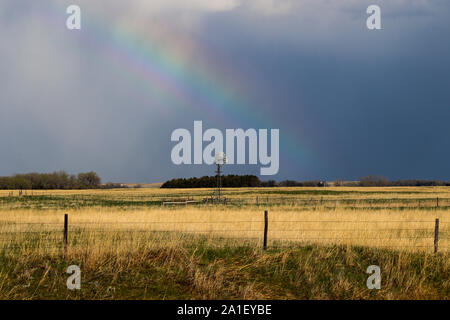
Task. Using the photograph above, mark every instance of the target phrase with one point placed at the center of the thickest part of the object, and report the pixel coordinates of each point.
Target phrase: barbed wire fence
(264, 232)
(322, 202)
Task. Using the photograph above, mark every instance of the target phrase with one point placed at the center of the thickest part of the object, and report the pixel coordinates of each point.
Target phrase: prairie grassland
(190, 269)
(411, 230)
(302, 192)
(324, 237)
(332, 197)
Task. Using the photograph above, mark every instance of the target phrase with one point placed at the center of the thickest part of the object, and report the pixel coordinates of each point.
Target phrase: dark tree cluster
(269, 183)
(230, 181)
(253, 181)
(55, 180)
(292, 183)
(380, 181)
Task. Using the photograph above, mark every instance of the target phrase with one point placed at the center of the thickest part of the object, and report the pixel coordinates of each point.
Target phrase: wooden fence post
(266, 227)
(437, 202)
(66, 232)
(436, 235)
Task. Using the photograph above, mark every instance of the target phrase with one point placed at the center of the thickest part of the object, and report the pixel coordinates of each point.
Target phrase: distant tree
(374, 181)
(269, 183)
(88, 180)
(19, 182)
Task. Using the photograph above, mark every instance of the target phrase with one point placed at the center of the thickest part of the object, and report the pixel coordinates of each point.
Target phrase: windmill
(220, 160)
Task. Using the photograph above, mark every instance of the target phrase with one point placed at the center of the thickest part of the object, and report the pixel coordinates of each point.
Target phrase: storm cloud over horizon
(348, 101)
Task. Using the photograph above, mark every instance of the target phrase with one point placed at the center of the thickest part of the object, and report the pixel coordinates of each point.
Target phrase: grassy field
(320, 243)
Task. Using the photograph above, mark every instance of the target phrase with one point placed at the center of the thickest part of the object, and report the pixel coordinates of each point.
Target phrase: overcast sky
(348, 101)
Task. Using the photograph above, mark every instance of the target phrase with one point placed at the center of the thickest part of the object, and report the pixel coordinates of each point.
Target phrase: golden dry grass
(307, 192)
(314, 234)
(401, 218)
(401, 230)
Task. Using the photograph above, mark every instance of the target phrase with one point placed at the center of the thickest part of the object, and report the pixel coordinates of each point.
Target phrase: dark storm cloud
(361, 102)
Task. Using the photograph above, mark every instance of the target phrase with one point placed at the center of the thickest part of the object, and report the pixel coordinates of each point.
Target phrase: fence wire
(412, 237)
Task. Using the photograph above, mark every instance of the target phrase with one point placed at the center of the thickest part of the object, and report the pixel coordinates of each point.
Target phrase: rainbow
(161, 59)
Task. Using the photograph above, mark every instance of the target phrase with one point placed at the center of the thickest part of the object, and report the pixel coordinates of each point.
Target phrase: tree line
(229, 181)
(292, 183)
(380, 181)
(55, 180)
(237, 181)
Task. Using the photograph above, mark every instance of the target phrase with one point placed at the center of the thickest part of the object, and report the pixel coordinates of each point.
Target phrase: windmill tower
(220, 160)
